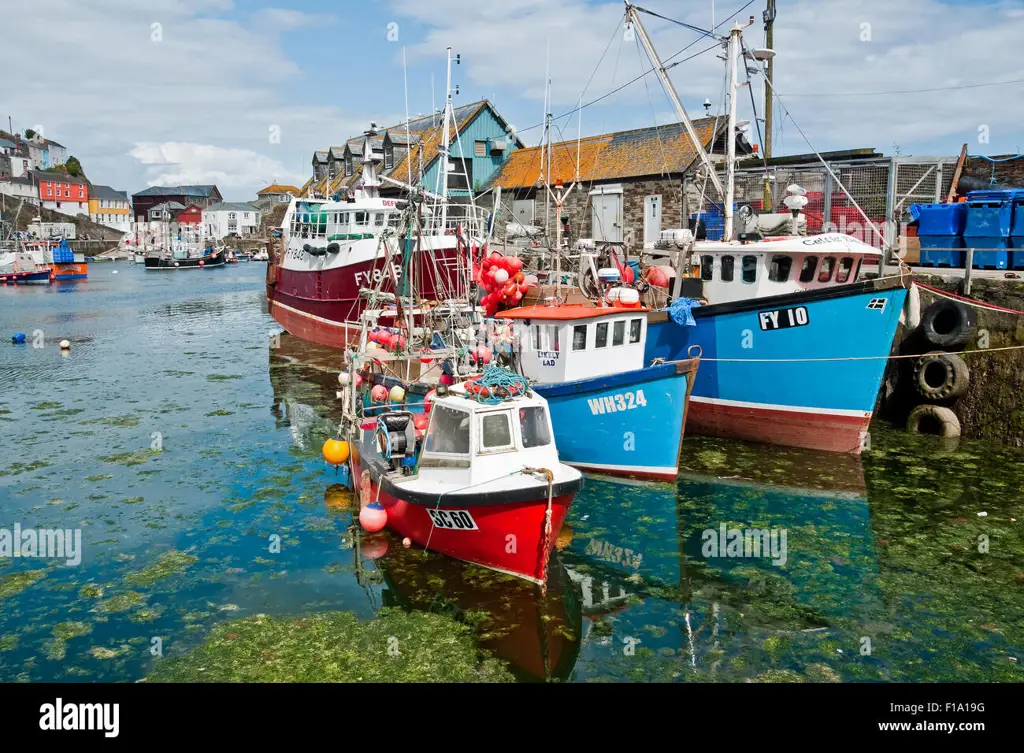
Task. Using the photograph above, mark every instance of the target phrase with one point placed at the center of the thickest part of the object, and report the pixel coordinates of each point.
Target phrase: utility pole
(769, 29)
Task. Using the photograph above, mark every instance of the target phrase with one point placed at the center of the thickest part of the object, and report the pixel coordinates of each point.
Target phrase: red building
(192, 215)
(62, 193)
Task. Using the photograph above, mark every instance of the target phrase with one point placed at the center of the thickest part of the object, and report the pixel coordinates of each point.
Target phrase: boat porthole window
(707, 266)
(845, 267)
(780, 268)
(619, 332)
(495, 431)
(728, 268)
(828, 265)
(533, 427)
(601, 338)
(807, 271)
(579, 337)
(635, 327)
(749, 269)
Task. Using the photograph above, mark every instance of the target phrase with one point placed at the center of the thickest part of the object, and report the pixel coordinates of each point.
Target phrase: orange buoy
(335, 451)
(373, 517)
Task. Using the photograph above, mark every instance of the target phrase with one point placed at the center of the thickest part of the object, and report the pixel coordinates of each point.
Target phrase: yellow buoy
(335, 451)
(397, 394)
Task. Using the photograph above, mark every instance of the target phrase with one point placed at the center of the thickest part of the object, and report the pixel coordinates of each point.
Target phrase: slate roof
(106, 192)
(425, 133)
(231, 206)
(171, 206)
(659, 150)
(55, 177)
(200, 191)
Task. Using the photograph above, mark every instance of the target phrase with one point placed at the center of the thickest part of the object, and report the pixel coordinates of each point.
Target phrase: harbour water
(184, 443)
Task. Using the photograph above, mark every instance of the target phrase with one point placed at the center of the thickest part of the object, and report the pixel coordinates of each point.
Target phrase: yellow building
(109, 207)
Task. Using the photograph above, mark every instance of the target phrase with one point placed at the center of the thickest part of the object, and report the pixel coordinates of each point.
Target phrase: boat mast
(730, 162)
(666, 82)
(445, 147)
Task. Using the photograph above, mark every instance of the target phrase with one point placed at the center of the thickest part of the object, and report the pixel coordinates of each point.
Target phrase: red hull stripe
(814, 431)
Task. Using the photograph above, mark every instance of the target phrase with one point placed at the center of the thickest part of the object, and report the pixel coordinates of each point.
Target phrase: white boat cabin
(568, 343)
(468, 442)
(739, 271)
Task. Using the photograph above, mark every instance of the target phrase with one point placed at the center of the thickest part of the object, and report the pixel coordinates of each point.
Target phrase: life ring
(941, 376)
(947, 324)
(933, 419)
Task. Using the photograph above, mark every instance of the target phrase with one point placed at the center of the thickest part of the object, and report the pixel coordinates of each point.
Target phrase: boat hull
(811, 383)
(628, 424)
(216, 259)
(70, 271)
(324, 306)
(22, 278)
(509, 535)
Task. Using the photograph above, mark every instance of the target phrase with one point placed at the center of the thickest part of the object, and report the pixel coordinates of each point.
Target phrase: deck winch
(395, 436)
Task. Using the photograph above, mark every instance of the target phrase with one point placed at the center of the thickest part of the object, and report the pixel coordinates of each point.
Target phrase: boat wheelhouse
(612, 415)
(739, 270)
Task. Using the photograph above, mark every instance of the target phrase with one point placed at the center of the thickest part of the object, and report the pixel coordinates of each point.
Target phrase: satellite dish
(796, 190)
(761, 53)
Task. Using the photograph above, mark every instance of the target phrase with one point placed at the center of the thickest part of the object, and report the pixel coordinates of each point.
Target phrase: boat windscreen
(448, 432)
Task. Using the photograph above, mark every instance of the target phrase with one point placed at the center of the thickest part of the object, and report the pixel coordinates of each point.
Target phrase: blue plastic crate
(990, 214)
(942, 251)
(998, 258)
(1017, 257)
(940, 219)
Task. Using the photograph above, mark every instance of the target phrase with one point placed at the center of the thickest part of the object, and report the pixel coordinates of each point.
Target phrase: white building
(20, 188)
(58, 154)
(230, 218)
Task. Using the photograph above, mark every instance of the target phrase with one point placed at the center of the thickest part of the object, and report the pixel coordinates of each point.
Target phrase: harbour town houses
(230, 218)
(62, 193)
(201, 196)
(109, 207)
(631, 183)
(480, 143)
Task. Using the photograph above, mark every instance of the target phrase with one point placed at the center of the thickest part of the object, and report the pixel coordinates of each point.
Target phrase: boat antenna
(408, 140)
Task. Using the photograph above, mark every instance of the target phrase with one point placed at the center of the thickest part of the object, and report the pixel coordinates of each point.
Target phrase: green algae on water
(138, 457)
(15, 469)
(56, 648)
(170, 563)
(15, 583)
(335, 647)
(120, 603)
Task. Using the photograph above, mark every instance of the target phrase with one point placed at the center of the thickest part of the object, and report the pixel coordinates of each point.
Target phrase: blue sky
(197, 100)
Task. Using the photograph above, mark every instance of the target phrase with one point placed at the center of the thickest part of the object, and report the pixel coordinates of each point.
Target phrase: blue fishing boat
(610, 414)
(801, 369)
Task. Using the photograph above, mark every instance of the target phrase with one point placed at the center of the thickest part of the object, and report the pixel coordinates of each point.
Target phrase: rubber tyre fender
(941, 376)
(948, 324)
(941, 419)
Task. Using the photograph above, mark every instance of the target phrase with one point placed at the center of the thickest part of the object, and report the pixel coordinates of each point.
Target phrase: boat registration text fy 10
(783, 318)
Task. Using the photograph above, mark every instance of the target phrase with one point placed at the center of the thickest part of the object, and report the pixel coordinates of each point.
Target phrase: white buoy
(65, 345)
(114, 272)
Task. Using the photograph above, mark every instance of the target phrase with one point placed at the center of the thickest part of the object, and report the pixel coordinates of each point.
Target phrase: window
(635, 327)
(601, 340)
(780, 269)
(344, 218)
(448, 431)
(67, 194)
(707, 267)
(362, 219)
(378, 219)
(619, 332)
(480, 149)
(749, 269)
(536, 337)
(232, 216)
(807, 271)
(579, 334)
(856, 271)
(553, 338)
(828, 264)
(246, 215)
(495, 431)
(533, 425)
(728, 268)
(389, 157)
(394, 221)
(845, 267)
(348, 165)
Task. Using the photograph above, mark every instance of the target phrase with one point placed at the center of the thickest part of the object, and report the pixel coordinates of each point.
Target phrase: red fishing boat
(484, 485)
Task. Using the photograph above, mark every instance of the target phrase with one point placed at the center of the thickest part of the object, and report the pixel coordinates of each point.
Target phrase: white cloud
(232, 170)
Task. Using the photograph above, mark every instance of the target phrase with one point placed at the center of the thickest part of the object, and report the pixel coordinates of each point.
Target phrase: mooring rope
(969, 301)
(855, 358)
